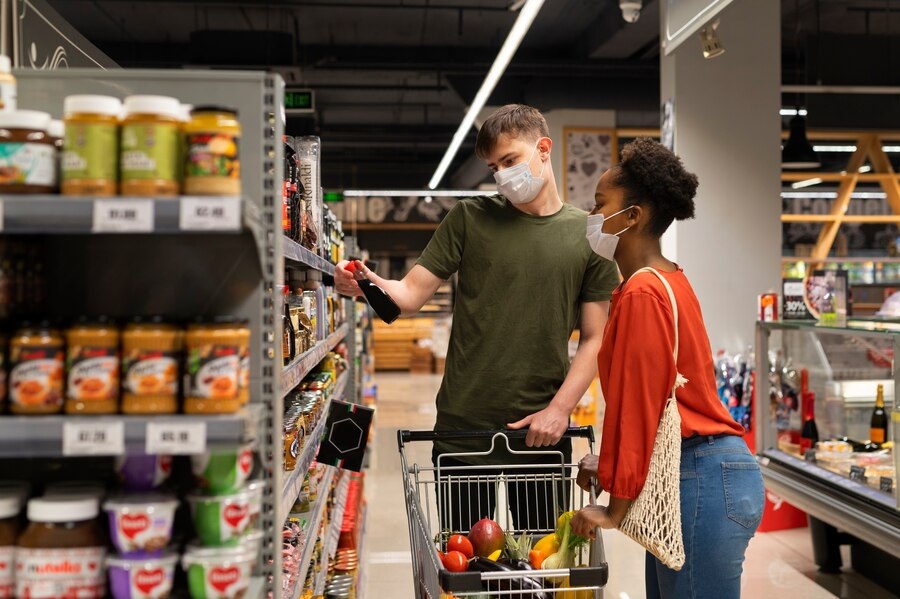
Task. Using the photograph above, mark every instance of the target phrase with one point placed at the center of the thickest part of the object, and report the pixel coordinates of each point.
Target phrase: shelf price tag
(210, 214)
(123, 216)
(176, 438)
(93, 437)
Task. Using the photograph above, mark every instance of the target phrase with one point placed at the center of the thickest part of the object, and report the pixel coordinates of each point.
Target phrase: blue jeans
(722, 500)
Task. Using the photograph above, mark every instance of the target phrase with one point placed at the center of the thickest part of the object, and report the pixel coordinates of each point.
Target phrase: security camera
(631, 10)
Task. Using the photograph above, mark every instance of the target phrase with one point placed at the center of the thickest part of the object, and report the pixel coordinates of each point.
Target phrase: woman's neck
(642, 253)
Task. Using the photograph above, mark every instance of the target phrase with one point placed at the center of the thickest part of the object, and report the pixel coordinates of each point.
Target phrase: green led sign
(333, 196)
(299, 100)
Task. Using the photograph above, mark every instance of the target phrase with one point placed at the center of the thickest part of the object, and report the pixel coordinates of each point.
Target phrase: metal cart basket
(522, 498)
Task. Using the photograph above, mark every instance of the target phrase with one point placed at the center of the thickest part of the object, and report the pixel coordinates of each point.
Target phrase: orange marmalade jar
(36, 375)
(90, 159)
(213, 366)
(151, 353)
(92, 366)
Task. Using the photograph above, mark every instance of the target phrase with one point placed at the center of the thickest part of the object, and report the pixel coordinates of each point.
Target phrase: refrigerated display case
(846, 484)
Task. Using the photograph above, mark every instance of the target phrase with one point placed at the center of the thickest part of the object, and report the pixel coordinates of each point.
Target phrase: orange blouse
(637, 372)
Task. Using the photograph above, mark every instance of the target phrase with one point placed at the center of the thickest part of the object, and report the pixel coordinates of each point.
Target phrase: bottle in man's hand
(385, 307)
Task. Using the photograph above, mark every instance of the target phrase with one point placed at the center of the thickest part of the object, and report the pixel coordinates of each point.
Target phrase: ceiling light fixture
(416, 193)
(516, 5)
(806, 183)
(793, 112)
(798, 153)
(865, 169)
(516, 34)
(710, 42)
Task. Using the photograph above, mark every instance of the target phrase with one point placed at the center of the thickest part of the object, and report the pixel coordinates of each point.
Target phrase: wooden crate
(393, 345)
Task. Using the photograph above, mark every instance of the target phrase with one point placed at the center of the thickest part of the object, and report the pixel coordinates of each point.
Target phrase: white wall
(571, 117)
(727, 130)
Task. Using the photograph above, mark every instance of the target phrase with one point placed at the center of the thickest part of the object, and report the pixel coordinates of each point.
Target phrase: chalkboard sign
(887, 484)
(810, 456)
(858, 473)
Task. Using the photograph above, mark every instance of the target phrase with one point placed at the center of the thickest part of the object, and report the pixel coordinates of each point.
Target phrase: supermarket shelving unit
(190, 257)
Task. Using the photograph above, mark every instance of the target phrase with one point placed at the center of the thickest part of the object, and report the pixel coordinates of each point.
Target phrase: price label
(886, 484)
(210, 214)
(176, 438)
(858, 473)
(97, 437)
(810, 456)
(123, 216)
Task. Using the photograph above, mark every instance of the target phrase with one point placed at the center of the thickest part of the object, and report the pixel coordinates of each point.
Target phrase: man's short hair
(515, 120)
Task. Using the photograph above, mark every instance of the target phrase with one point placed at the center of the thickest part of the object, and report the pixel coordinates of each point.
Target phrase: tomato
(455, 561)
(461, 544)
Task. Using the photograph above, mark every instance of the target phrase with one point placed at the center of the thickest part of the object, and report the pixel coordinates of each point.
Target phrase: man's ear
(545, 144)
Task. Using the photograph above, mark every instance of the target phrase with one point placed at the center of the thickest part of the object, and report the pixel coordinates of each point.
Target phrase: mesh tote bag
(654, 519)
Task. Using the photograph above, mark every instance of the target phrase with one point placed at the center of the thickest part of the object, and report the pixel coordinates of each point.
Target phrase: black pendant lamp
(798, 153)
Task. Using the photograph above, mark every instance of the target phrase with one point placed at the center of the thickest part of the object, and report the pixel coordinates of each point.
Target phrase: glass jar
(27, 154)
(212, 164)
(213, 350)
(151, 354)
(150, 146)
(36, 374)
(92, 365)
(90, 159)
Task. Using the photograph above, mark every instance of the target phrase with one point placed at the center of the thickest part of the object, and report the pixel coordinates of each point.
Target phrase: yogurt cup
(220, 471)
(222, 520)
(141, 525)
(218, 573)
(143, 473)
(141, 578)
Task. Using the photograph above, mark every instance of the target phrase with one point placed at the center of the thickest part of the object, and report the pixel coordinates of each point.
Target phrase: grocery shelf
(54, 214)
(294, 373)
(312, 528)
(360, 548)
(257, 588)
(294, 252)
(69, 436)
(294, 481)
(333, 535)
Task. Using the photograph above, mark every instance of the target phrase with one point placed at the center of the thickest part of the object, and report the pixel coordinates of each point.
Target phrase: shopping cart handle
(405, 436)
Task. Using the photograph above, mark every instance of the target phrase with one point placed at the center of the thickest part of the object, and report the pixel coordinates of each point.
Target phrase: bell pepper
(536, 558)
(579, 594)
(495, 555)
(548, 544)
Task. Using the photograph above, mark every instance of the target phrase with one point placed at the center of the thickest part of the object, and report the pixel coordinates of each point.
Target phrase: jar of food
(212, 365)
(212, 164)
(291, 445)
(27, 154)
(92, 364)
(151, 352)
(36, 374)
(244, 381)
(150, 146)
(3, 386)
(10, 506)
(61, 553)
(8, 86)
(90, 162)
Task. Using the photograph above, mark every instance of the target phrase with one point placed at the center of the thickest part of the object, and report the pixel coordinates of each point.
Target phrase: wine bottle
(383, 304)
(879, 424)
(809, 435)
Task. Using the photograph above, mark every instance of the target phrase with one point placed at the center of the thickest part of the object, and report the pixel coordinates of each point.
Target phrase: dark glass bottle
(809, 436)
(878, 427)
(385, 307)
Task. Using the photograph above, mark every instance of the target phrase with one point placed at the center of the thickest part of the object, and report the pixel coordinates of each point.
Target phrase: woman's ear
(635, 216)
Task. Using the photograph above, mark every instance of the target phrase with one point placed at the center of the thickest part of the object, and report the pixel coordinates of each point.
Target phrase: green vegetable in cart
(564, 558)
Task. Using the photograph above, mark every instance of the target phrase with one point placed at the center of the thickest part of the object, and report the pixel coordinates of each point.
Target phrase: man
(527, 276)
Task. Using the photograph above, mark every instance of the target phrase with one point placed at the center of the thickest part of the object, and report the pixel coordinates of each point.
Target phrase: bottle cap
(24, 119)
(92, 104)
(63, 509)
(159, 105)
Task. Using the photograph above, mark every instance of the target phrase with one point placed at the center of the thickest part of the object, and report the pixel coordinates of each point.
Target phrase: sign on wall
(388, 210)
(587, 154)
(860, 236)
(42, 39)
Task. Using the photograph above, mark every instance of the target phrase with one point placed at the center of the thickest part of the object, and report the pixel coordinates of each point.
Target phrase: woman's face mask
(603, 244)
(517, 184)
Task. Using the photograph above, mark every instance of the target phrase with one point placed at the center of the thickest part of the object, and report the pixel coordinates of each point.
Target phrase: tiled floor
(778, 564)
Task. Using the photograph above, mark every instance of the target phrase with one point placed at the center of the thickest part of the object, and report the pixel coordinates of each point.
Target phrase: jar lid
(156, 319)
(212, 108)
(24, 119)
(63, 509)
(10, 506)
(160, 105)
(56, 129)
(101, 320)
(92, 104)
(5, 64)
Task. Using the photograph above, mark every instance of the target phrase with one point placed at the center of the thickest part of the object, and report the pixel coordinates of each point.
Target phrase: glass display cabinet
(833, 470)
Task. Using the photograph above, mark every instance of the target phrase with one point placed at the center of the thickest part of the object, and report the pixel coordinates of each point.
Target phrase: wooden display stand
(395, 345)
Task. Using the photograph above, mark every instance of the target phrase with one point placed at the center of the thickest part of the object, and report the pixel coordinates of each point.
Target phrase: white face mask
(603, 244)
(517, 184)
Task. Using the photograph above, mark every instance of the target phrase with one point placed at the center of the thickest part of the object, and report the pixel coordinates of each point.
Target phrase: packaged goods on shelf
(8, 86)
(212, 162)
(90, 152)
(28, 156)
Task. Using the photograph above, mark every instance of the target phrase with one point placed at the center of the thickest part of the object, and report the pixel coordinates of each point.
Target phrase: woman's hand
(586, 520)
(587, 472)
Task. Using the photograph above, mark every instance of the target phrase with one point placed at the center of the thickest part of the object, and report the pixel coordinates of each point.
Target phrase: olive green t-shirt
(522, 280)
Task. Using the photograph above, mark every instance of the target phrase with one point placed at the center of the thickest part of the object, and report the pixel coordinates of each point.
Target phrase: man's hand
(345, 275)
(586, 520)
(587, 472)
(545, 428)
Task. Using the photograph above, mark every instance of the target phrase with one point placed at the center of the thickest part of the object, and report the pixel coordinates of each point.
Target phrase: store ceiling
(393, 77)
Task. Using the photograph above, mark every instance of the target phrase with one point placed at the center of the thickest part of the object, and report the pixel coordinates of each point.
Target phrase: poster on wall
(43, 39)
(587, 154)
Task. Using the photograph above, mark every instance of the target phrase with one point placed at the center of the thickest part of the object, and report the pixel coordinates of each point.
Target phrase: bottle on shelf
(878, 426)
(383, 304)
(809, 434)
(289, 339)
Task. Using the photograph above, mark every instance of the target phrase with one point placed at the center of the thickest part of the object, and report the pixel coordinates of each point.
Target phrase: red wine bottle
(383, 304)
(809, 435)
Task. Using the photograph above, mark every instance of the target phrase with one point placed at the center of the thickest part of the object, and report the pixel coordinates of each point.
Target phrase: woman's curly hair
(653, 176)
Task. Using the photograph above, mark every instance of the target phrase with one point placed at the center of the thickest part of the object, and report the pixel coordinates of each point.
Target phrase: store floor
(778, 564)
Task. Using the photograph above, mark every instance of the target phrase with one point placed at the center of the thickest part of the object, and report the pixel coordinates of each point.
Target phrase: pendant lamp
(798, 153)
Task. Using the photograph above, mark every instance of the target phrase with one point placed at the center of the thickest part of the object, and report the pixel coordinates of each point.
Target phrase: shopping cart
(522, 498)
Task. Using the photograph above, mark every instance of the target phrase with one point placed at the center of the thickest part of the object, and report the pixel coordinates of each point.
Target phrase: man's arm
(546, 427)
(417, 287)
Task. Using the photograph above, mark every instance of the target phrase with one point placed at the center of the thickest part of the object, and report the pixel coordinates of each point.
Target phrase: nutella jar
(27, 154)
(62, 552)
(10, 506)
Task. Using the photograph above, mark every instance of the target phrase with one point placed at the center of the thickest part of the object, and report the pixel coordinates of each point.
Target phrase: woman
(722, 494)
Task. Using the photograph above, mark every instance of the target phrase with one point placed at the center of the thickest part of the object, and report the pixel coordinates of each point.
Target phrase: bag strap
(671, 301)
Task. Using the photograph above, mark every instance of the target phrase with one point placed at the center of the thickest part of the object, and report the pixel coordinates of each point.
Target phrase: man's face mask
(517, 184)
(603, 244)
